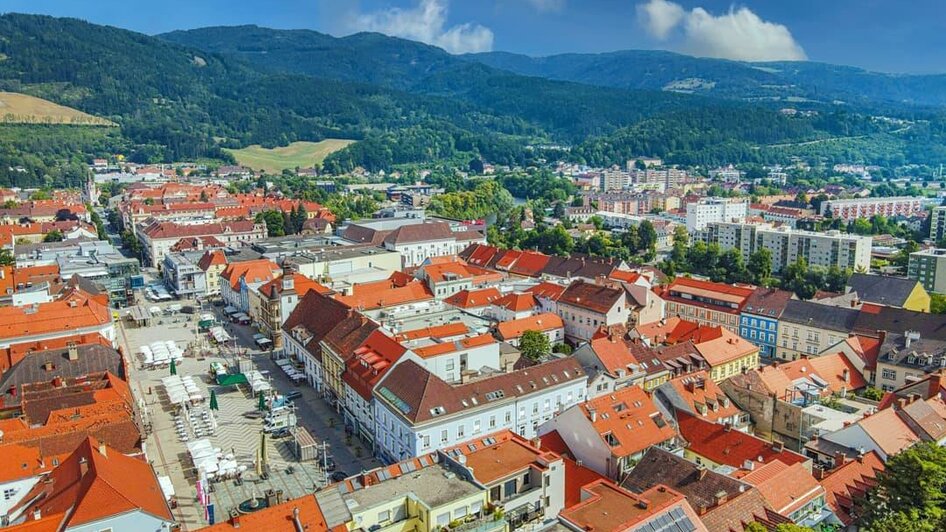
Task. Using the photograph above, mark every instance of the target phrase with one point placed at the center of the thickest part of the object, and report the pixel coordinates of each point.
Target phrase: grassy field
(16, 108)
(297, 154)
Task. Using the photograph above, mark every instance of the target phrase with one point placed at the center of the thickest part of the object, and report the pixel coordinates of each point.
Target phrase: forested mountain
(659, 70)
(186, 95)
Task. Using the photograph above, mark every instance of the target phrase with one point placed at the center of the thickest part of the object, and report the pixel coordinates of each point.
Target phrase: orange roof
(613, 353)
(75, 310)
(48, 523)
(605, 507)
(786, 488)
(473, 298)
(630, 418)
(547, 290)
(439, 331)
(726, 348)
(540, 322)
(888, 431)
(517, 302)
(370, 362)
(300, 284)
(669, 330)
(22, 461)
(702, 394)
(254, 271)
(850, 481)
(454, 346)
(375, 299)
(718, 291)
(866, 347)
(279, 518)
(97, 482)
(440, 271)
(779, 378)
(509, 454)
(210, 258)
(507, 260)
(627, 277)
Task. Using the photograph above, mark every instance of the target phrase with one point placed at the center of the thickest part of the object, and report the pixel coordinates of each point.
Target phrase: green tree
(648, 236)
(759, 266)
(797, 278)
(937, 304)
(54, 236)
(534, 345)
(275, 222)
(559, 210)
(730, 267)
(872, 393)
(836, 278)
(910, 491)
(6, 257)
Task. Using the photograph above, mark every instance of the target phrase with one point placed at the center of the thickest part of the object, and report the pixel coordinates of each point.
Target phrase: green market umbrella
(173, 367)
(213, 400)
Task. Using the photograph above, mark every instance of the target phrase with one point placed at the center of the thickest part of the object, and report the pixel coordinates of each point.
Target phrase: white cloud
(548, 6)
(427, 23)
(738, 34)
(660, 16)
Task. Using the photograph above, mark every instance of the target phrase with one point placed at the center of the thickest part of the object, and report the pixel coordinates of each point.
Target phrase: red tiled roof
(279, 518)
(540, 322)
(108, 484)
(253, 271)
(447, 330)
(786, 488)
(370, 362)
(734, 448)
(300, 284)
(75, 310)
(212, 258)
(593, 297)
(850, 481)
(517, 302)
(508, 454)
(724, 348)
(547, 290)
(831, 369)
(630, 417)
(530, 264)
(410, 293)
(606, 507)
(473, 298)
(443, 348)
(699, 390)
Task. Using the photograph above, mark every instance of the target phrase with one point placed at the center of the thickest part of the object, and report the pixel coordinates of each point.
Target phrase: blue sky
(885, 35)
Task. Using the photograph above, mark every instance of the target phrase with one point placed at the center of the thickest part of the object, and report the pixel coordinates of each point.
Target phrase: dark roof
(882, 289)
(876, 318)
(822, 316)
(93, 359)
(597, 298)
(767, 302)
(578, 265)
(420, 396)
(363, 235)
(318, 314)
(700, 485)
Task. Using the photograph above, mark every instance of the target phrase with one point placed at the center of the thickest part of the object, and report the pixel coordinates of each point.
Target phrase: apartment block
(929, 268)
(710, 210)
(852, 209)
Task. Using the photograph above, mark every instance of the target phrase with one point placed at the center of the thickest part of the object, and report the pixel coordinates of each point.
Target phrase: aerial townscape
(260, 279)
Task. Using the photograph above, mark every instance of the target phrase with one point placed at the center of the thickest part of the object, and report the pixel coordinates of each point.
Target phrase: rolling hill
(18, 108)
(296, 155)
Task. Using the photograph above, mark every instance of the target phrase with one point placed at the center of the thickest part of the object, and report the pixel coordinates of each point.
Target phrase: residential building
(341, 266)
(285, 516)
(698, 395)
(523, 480)
(788, 246)
(717, 498)
(725, 353)
(929, 267)
(807, 328)
(778, 397)
(708, 210)
(847, 483)
(547, 294)
(852, 209)
(585, 307)
(83, 493)
(791, 491)
(305, 328)
(720, 447)
(337, 348)
(239, 279)
(212, 263)
(892, 291)
(452, 352)
(611, 432)
(705, 302)
(938, 224)
(417, 412)
(607, 507)
(422, 239)
(421, 494)
(447, 278)
(278, 298)
(610, 365)
(375, 298)
(183, 277)
(513, 306)
(548, 324)
(884, 433)
(76, 317)
(907, 357)
(157, 237)
(371, 361)
(476, 302)
(760, 316)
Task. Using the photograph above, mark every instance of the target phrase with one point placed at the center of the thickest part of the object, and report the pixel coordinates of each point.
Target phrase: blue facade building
(758, 322)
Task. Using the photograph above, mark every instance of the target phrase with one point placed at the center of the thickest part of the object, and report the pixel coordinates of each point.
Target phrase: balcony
(486, 523)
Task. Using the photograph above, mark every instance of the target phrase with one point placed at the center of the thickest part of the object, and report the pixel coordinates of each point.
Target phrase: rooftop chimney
(721, 497)
(73, 351)
(83, 466)
(103, 450)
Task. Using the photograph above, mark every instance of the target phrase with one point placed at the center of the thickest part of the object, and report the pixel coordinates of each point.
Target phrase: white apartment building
(416, 412)
(710, 210)
(852, 209)
(831, 248)
(938, 224)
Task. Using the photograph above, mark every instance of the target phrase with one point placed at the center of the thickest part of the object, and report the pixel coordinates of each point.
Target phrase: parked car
(280, 433)
(339, 476)
(293, 395)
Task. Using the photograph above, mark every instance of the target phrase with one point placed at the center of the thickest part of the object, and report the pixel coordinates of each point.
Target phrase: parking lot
(234, 433)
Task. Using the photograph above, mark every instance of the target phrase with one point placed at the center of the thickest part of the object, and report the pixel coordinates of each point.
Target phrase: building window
(384, 516)
(492, 422)
(461, 430)
(889, 374)
(508, 419)
(9, 493)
